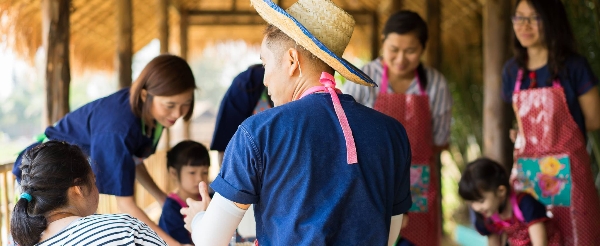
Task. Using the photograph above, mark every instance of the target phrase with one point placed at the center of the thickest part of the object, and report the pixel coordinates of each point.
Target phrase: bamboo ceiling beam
(55, 26)
(245, 18)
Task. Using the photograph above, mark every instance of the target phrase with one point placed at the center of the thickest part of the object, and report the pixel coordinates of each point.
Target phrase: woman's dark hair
(49, 170)
(165, 75)
(187, 153)
(556, 32)
(481, 175)
(404, 22)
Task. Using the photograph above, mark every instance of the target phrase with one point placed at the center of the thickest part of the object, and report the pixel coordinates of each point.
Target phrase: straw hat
(320, 27)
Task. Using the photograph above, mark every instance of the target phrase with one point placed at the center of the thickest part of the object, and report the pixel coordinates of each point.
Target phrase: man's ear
(144, 95)
(292, 57)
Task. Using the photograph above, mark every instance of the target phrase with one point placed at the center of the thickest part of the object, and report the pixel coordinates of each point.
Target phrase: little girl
(485, 187)
(188, 164)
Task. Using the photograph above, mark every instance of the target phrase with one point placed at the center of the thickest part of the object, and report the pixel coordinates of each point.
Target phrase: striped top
(440, 99)
(105, 229)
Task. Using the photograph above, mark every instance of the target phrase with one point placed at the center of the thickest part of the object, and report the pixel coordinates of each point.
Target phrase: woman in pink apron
(419, 98)
(555, 98)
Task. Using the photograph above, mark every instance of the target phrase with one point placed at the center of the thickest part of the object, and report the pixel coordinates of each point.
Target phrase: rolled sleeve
(239, 179)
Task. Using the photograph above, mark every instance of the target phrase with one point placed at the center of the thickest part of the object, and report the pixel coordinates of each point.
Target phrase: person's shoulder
(526, 199)
(171, 204)
(511, 66)
(372, 67)
(576, 62)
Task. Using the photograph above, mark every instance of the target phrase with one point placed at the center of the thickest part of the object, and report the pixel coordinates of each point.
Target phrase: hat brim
(275, 15)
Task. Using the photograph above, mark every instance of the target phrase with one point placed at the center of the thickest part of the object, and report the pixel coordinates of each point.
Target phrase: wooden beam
(496, 113)
(124, 42)
(246, 18)
(163, 25)
(55, 27)
(434, 23)
(183, 52)
(375, 37)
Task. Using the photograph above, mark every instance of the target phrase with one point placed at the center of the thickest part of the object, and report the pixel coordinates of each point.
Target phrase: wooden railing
(6, 201)
(156, 165)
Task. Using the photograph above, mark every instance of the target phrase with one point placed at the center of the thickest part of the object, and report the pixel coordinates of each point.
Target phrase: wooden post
(496, 113)
(375, 37)
(55, 28)
(384, 10)
(124, 42)
(434, 58)
(163, 25)
(183, 39)
(163, 36)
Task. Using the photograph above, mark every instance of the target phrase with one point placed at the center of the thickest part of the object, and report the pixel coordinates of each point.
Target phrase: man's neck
(307, 81)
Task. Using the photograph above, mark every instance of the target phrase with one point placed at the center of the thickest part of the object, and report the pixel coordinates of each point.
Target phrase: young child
(188, 164)
(485, 187)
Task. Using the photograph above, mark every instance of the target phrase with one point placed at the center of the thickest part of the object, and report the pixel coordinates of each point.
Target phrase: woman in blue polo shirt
(555, 97)
(120, 130)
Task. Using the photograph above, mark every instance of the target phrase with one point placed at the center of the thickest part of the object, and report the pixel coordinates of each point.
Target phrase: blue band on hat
(26, 196)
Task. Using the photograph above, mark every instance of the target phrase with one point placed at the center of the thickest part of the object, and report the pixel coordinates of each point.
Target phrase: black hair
(48, 171)
(187, 153)
(404, 22)
(556, 31)
(481, 175)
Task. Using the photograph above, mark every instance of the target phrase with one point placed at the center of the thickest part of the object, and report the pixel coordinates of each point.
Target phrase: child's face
(490, 203)
(190, 177)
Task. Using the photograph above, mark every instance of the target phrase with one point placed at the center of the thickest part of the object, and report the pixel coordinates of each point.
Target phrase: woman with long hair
(555, 96)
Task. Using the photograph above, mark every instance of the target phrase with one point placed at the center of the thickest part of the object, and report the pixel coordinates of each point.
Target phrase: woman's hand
(196, 207)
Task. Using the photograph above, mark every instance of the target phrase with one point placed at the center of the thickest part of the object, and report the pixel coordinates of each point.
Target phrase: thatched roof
(93, 25)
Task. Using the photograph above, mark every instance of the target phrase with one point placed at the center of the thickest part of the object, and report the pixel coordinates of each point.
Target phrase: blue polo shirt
(290, 161)
(237, 105)
(576, 78)
(108, 131)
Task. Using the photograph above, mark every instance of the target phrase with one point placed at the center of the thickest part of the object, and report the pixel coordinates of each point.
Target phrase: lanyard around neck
(157, 132)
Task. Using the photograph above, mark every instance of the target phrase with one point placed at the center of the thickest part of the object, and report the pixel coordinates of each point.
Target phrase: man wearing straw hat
(320, 168)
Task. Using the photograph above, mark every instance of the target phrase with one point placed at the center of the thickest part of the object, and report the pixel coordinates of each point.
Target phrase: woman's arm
(537, 233)
(590, 106)
(142, 176)
(126, 204)
(494, 240)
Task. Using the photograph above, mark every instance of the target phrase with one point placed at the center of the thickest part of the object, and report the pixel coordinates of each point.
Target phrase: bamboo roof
(93, 25)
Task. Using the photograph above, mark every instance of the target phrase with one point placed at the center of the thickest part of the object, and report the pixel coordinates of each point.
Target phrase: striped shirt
(440, 99)
(105, 229)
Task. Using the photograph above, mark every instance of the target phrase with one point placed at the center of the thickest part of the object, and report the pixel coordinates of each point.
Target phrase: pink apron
(517, 229)
(413, 111)
(549, 152)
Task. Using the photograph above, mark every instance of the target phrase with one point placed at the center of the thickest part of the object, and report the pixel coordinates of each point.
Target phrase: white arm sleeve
(395, 227)
(217, 225)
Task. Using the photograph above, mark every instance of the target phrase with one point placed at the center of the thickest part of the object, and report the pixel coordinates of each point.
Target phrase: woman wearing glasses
(555, 97)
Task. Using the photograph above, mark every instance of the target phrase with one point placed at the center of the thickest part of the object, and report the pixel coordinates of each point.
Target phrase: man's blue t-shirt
(171, 221)
(108, 131)
(290, 161)
(576, 78)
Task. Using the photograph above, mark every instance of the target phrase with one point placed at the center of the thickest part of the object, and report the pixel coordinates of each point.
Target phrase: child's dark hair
(49, 170)
(481, 175)
(187, 153)
(404, 22)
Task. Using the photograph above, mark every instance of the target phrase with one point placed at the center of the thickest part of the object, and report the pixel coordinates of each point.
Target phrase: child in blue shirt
(188, 164)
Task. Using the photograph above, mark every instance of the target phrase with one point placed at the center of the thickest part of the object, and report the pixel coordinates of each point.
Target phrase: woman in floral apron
(419, 98)
(555, 98)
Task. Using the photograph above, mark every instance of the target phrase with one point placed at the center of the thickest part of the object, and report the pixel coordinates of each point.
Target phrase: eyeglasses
(520, 20)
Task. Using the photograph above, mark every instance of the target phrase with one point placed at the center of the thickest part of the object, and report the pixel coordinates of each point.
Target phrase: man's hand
(195, 207)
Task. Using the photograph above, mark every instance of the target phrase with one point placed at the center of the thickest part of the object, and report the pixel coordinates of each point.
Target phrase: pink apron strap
(384, 82)
(516, 211)
(328, 82)
(555, 82)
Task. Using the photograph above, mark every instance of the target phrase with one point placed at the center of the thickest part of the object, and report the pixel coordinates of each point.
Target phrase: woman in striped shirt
(59, 200)
(419, 98)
